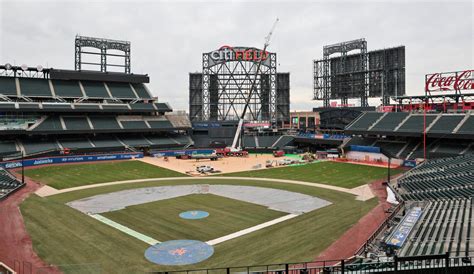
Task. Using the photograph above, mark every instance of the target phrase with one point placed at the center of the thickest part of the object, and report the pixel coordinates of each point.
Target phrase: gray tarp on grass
(275, 199)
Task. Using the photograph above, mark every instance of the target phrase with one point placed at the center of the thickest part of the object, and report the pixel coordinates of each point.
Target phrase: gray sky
(168, 37)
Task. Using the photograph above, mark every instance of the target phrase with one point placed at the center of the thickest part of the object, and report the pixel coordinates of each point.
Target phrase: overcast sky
(169, 37)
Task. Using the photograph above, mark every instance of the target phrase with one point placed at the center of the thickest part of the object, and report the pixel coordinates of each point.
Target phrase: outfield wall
(69, 159)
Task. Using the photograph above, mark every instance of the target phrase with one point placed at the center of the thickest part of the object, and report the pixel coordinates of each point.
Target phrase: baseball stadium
(98, 175)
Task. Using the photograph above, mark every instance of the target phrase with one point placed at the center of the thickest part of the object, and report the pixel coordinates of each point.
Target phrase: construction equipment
(278, 153)
(235, 147)
(228, 152)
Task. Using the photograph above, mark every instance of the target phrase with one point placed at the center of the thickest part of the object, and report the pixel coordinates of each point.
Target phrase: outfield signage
(450, 81)
(69, 159)
(401, 232)
(228, 53)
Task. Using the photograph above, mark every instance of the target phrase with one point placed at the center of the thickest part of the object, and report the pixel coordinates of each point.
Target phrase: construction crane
(234, 146)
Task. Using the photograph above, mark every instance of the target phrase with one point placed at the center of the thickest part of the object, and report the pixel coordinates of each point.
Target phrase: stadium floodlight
(8, 66)
(24, 67)
(39, 68)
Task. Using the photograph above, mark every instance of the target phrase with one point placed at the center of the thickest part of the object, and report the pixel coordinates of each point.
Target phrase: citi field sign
(228, 53)
(450, 81)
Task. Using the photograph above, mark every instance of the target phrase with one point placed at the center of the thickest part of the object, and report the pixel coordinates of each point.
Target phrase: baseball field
(71, 239)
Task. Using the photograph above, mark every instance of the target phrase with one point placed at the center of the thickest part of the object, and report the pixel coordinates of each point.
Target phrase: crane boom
(252, 87)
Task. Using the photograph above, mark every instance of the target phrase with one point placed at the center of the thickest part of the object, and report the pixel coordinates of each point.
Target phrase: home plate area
(180, 205)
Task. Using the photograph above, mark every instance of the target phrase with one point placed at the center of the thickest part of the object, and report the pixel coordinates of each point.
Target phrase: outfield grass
(331, 173)
(62, 235)
(72, 175)
(160, 220)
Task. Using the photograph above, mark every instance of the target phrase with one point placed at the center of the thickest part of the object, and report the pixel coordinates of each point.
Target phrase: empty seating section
(142, 106)
(76, 123)
(446, 124)
(134, 124)
(135, 141)
(161, 140)
(67, 89)
(283, 141)
(75, 143)
(358, 141)
(51, 123)
(415, 123)
(445, 226)
(182, 139)
(8, 183)
(390, 121)
(106, 142)
(141, 91)
(249, 141)
(163, 107)
(468, 126)
(32, 87)
(441, 178)
(86, 107)
(39, 146)
(115, 107)
(452, 148)
(267, 141)
(56, 106)
(160, 124)
(391, 147)
(365, 121)
(8, 147)
(121, 90)
(104, 122)
(8, 86)
(95, 89)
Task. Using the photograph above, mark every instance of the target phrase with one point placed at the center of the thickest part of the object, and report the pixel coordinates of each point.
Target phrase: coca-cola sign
(450, 81)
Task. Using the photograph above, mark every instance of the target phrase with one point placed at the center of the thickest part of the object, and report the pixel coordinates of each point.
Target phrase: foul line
(125, 229)
(250, 229)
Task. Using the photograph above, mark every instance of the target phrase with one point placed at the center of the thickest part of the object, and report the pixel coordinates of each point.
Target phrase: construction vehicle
(228, 152)
(278, 153)
(204, 169)
(270, 163)
(235, 149)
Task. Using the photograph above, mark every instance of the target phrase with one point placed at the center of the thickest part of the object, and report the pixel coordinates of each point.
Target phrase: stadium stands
(39, 146)
(446, 124)
(468, 126)
(63, 88)
(439, 179)
(446, 226)
(415, 123)
(8, 86)
(45, 113)
(33, 87)
(8, 183)
(390, 121)
(365, 121)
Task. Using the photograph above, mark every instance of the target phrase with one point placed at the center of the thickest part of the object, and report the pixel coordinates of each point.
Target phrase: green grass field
(332, 173)
(64, 236)
(72, 175)
(160, 219)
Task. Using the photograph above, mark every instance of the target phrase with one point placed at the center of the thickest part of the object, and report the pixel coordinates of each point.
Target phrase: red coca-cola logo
(461, 80)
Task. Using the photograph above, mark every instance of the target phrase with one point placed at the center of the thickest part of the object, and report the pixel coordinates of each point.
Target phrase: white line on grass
(125, 229)
(251, 229)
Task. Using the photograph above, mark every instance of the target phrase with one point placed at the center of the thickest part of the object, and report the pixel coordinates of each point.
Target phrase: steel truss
(344, 76)
(103, 45)
(226, 85)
